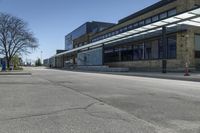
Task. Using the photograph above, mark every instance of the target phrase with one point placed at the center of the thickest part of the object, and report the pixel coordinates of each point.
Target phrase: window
(151, 49)
(121, 30)
(148, 21)
(130, 27)
(109, 55)
(138, 52)
(155, 18)
(148, 50)
(163, 15)
(135, 25)
(197, 42)
(125, 29)
(127, 53)
(171, 47)
(155, 50)
(197, 46)
(116, 32)
(171, 12)
(141, 23)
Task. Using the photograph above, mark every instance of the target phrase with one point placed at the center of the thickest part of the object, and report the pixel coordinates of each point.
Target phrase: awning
(191, 17)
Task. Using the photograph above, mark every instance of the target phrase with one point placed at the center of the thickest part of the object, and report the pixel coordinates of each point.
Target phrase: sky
(51, 20)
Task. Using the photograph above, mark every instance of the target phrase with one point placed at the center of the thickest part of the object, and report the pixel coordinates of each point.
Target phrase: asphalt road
(55, 101)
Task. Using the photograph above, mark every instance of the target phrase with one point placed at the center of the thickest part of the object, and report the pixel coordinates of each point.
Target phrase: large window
(148, 50)
(151, 49)
(127, 53)
(111, 55)
(197, 46)
(138, 52)
(171, 47)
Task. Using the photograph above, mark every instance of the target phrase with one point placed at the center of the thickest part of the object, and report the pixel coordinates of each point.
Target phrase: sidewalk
(195, 76)
(174, 76)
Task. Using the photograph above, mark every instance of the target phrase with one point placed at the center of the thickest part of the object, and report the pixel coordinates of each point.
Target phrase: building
(77, 38)
(84, 30)
(163, 36)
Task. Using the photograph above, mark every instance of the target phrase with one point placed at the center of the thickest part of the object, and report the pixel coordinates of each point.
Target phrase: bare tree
(15, 37)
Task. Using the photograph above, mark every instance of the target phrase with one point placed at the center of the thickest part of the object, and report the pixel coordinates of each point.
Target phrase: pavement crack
(95, 114)
(49, 113)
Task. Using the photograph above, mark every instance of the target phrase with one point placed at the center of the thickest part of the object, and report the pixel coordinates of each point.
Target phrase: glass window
(171, 47)
(116, 32)
(125, 29)
(155, 18)
(148, 21)
(197, 46)
(148, 50)
(197, 42)
(172, 12)
(121, 30)
(163, 15)
(111, 55)
(138, 52)
(130, 27)
(141, 23)
(161, 49)
(155, 50)
(151, 49)
(127, 53)
(135, 25)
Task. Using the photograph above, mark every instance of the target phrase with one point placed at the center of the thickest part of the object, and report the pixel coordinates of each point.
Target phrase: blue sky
(51, 20)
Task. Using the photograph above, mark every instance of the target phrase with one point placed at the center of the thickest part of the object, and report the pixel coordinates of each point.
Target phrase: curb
(15, 73)
(189, 78)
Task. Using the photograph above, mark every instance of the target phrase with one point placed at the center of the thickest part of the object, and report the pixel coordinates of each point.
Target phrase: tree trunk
(8, 63)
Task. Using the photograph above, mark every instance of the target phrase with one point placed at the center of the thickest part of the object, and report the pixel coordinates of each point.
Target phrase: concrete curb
(15, 73)
(170, 77)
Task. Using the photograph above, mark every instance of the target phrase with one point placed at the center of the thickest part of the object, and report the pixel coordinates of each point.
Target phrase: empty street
(56, 101)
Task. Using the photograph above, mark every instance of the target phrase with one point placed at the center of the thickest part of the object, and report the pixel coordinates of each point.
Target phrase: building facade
(147, 51)
(172, 46)
(77, 38)
(84, 30)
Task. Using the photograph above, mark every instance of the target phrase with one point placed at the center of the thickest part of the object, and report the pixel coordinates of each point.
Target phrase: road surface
(56, 101)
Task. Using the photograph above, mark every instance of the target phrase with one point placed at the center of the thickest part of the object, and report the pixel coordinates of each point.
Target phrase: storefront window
(171, 47)
(197, 46)
(138, 52)
(151, 49)
(127, 53)
(148, 50)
